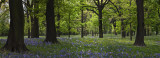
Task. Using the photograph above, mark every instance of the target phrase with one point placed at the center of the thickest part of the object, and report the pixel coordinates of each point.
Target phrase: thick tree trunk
(35, 22)
(100, 24)
(15, 40)
(82, 34)
(50, 20)
(58, 27)
(140, 28)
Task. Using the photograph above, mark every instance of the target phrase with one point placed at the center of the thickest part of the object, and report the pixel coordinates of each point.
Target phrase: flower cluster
(75, 48)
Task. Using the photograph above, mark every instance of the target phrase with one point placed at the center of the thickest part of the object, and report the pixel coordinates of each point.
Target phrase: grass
(90, 47)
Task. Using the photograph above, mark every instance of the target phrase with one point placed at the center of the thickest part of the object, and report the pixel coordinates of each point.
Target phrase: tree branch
(92, 11)
(106, 2)
(95, 2)
(114, 6)
(4, 12)
(101, 2)
(98, 2)
(90, 6)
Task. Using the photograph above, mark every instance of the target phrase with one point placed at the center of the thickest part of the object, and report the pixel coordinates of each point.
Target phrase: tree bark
(123, 32)
(35, 22)
(29, 33)
(15, 40)
(145, 32)
(82, 34)
(140, 28)
(100, 24)
(69, 27)
(50, 20)
(148, 30)
(130, 31)
(58, 27)
(157, 30)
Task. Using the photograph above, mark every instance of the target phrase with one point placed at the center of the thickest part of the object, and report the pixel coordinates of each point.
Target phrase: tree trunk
(145, 32)
(140, 28)
(127, 33)
(58, 27)
(29, 33)
(100, 24)
(69, 27)
(148, 31)
(50, 20)
(123, 32)
(130, 31)
(114, 24)
(35, 22)
(15, 40)
(157, 31)
(82, 34)
(92, 33)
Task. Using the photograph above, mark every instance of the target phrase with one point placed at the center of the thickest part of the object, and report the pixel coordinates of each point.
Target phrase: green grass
(114, 45)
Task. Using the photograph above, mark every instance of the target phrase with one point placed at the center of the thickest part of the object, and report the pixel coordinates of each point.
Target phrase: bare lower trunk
(140, 28)
(157, 31)
(82, 34)
(69, 27)
(15, 40)
(148, 33)
(35, 22)
(100, 24)
(58, 27)
(123, 32)
(130, 31)
(28, 21)
(50, 20)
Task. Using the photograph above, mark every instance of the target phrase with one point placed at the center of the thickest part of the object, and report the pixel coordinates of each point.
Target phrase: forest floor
(110, 46)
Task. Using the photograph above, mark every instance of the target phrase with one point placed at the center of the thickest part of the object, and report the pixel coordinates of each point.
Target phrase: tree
(82, 34)
(50, 20)
(140, 27)
(15, 40)
(100, 4)
(34, 21)
(130, 29)
(28, 21)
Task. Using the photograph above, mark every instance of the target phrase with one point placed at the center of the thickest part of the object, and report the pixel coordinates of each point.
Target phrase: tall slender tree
(50, 20)
(15, 40)
(140, 28)
(130, 29)
(28, 21)
(82, 34)
(100, 4)
(34, 20)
